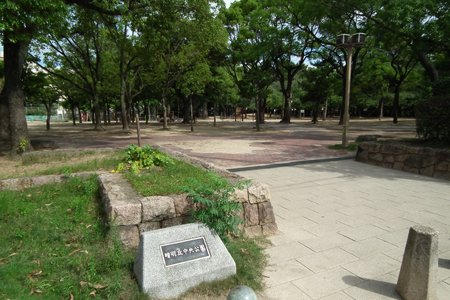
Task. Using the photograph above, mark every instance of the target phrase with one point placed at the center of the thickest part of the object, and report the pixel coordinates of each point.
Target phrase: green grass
(55, 244)
(170, 179)
(350, 147)
(30, 158)
(92, 165)
(250, 262)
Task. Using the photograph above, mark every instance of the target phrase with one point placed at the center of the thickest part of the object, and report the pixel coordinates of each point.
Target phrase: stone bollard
(418, 275)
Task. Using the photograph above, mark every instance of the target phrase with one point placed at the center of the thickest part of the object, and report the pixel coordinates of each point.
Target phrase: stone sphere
(242, 292)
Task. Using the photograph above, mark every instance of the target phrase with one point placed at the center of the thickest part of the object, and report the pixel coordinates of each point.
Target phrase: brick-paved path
(230, 144)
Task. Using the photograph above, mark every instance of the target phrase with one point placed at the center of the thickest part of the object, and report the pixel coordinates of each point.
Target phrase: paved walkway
(343, 228)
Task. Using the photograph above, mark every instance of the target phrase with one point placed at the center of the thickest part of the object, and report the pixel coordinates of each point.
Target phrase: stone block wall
(420, 160)
(131, 214)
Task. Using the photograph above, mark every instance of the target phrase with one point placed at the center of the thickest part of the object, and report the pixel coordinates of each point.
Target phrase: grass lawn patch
(349, 147)
(170, 179)
(55, 245)
(250, 263)
(59, 162)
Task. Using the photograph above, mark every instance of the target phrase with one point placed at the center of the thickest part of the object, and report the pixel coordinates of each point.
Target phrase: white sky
(227, 2)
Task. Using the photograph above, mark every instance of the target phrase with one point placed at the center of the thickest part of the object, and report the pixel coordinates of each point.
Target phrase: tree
(316, 85)
(20, 22)
(79, 49)
(40, 90)
(181, 34)
(129, 52)
(249, 61)
(421, 23)
(291, 42)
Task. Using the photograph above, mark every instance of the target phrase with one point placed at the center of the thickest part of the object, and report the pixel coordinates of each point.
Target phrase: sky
(227, 2)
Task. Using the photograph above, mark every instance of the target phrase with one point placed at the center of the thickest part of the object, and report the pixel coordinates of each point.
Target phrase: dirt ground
(229, 144)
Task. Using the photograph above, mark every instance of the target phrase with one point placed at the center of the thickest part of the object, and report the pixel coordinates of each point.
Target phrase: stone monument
(172, 260)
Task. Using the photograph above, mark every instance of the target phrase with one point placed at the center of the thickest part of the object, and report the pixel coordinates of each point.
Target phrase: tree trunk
(105, 115)
(97, 112)
(395, 109)
(257, 114)
(164, 112)
(287, 107)
(192, 113)
(72, 109)
(262, 111)
(123, 103)
(430, 69)
(205, 110)
(315, 113)
(325, 111)
(380, 116)
(80, 117)
(214, 115)
(4, 117)
(48, 108)
(12, 107)
(186, 112)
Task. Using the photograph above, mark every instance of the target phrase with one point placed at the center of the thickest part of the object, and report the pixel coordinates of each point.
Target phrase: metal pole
(347, 96)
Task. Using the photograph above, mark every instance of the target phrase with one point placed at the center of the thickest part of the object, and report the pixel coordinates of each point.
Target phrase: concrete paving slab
(372, 266)
(369, 247)
(326, 260)
(287, 291)
(285, 272)
(327, 283)
(362, 210)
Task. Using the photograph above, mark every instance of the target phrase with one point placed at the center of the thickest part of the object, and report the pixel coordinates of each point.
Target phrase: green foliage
(171, 179)
(250, 260)
(138, 158)
(23, 146)
(56, 246)
(214, 207)
(433, 119)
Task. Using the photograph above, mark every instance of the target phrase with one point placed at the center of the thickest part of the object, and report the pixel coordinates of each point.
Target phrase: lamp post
(348, 42)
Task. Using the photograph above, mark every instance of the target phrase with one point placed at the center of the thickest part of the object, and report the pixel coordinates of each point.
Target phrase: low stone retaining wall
(420, 160)
(132, 214)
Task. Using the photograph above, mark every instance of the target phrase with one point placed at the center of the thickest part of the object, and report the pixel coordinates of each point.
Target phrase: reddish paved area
(229, 144)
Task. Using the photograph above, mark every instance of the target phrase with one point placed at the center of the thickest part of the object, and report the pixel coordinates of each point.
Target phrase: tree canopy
(113, 59)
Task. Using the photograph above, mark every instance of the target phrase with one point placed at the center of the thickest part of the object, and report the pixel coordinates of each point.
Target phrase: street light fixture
(348, 42)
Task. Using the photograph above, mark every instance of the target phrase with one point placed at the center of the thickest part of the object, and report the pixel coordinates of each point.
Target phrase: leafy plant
(138, 158)
(214, 207)
(23, 146)
(433, 119)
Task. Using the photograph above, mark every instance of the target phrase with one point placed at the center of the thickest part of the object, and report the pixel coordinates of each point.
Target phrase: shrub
(214, 207)
(138, 158)
(433, 119)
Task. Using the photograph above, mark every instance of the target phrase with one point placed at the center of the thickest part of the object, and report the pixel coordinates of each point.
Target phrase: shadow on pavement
(386, 289)
(444, 263)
